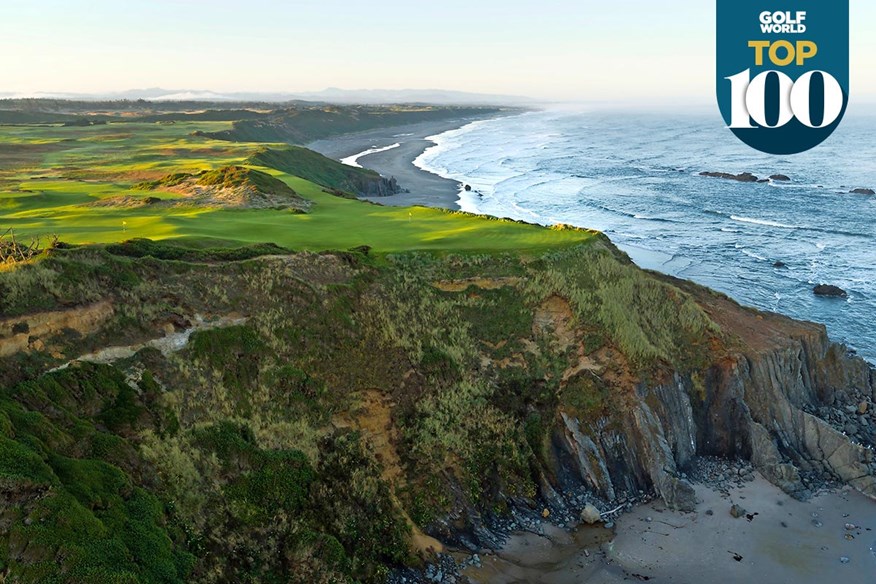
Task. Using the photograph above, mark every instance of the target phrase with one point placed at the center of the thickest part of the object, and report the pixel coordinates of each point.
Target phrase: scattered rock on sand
(736, 511)
(863, 192)
(590, 515)
(830, 291)
(744, 177)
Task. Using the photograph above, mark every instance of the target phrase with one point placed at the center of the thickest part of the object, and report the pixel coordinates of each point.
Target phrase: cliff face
(382, 187)
(267, 416)
(751, 405)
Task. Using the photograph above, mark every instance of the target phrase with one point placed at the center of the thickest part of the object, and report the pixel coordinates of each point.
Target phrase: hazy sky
(556, 49)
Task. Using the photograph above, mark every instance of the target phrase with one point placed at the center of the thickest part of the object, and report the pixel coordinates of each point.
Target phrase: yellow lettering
(774, 53)
(758, 47)
(805, 50)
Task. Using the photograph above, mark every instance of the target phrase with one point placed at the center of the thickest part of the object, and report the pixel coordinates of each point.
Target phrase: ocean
(636, 178)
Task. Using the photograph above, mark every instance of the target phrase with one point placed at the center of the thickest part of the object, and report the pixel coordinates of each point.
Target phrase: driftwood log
(13, 251)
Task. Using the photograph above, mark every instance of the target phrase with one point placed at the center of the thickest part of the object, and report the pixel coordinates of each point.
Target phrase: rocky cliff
(266, 415)
(759, 405)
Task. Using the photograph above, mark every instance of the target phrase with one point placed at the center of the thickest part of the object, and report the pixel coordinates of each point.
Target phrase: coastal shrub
(235, 352)
(499, 317)
(78, 511)
(460, 424)
(27, 288)
(187, 476)
(122, 411)
(278, 481)
(94, 483)
(355, 505)
(414, 316)
(586, 397)
(169, 250)
(92, 526)
(19, 463)
(648, 319)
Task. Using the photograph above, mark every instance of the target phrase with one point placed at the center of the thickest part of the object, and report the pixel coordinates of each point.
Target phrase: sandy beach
(424, 188)
(779, 540)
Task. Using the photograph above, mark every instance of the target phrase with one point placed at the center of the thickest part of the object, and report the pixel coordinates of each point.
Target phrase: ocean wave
(753, 255)
(764, 222)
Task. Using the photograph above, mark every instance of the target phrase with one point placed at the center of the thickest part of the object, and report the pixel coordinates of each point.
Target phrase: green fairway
(50, 176)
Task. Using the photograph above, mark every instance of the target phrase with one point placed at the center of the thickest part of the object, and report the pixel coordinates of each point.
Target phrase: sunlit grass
(74, 166)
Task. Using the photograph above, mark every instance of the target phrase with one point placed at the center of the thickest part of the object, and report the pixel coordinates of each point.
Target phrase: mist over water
(636, 177)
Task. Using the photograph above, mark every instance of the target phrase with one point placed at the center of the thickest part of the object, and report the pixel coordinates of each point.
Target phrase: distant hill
(302, 125)
(425, 96)
(331, 95)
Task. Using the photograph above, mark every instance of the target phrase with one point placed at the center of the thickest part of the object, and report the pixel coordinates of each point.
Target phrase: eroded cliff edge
(263, 414)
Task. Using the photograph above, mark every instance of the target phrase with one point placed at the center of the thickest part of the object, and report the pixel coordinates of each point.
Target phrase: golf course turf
(54, 175)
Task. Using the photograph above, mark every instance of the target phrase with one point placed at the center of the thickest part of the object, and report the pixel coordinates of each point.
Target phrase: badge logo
(783, 71)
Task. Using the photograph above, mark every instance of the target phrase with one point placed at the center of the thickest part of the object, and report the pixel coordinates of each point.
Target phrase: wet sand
(425, 188)
(784, 541)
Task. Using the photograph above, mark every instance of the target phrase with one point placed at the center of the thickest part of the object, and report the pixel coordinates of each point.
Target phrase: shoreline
(422, 187)
(781, 539)
(392, 152)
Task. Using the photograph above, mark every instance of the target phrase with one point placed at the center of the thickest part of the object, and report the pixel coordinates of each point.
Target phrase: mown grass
(48, 192)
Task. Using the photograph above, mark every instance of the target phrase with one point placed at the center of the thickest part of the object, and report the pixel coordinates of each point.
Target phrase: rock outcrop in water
(744, 177)
(830, 291)
(863, 192)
